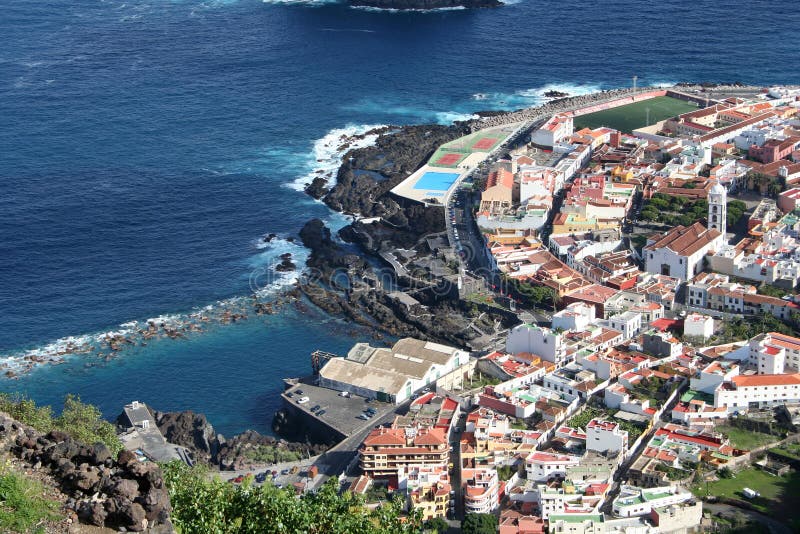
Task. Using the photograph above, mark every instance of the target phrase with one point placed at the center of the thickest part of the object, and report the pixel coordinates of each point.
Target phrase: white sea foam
(449, 117)
(392, 10)
(327, 152)
(571, 89)
(352, 30)
(312, 3)
(663, 84)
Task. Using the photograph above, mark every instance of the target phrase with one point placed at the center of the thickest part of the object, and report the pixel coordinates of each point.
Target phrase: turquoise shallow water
(146, 146)
(231, 373)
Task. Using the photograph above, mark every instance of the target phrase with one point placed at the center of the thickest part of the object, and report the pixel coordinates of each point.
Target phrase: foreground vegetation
(22, 505)
(203, 505)
(83, 422)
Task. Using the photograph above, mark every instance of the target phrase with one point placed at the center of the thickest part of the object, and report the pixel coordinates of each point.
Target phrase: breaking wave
(327, 152)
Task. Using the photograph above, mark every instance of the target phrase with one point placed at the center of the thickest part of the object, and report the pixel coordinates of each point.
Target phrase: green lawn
(745, 439)
(790, 450)
(780, 496)
(631, 116)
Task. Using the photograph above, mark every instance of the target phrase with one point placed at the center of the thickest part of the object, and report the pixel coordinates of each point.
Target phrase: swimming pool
(436, 181)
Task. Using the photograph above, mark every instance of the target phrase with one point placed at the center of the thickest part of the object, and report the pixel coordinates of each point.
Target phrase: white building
(679, 252)
(537, 340)
(629, 323)
(573, 523)
(481, 490)
(760, 390)
(391, 375)
(605, 436)
(575, 316)
(713, 375)
(543, 466)
(635, 501)
(766, 353)
(696, 325)
(555, 130)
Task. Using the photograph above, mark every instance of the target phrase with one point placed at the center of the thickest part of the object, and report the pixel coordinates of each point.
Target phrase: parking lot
(345, 414)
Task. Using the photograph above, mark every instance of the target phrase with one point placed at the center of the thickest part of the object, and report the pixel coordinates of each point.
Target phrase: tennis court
(436, 181)
(485, 144)
(449, 159)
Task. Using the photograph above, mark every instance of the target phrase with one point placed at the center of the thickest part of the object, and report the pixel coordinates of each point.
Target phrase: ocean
(147, 146)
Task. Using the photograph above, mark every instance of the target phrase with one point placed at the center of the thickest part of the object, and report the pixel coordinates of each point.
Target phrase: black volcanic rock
(123, 494)
(325, 254)
(395, 155)
(317, 188)
(189, 429)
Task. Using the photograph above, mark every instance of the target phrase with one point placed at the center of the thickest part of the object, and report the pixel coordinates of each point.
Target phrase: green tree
(479, 524)
(203, 505)
(85, 423)
(26, 411)
(437, 524)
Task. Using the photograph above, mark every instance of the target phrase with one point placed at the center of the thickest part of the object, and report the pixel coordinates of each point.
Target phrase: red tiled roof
(767, 380)
(685, 241)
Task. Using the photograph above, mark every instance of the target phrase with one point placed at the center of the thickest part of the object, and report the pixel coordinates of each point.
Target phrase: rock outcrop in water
(196, 433)
(190, 430)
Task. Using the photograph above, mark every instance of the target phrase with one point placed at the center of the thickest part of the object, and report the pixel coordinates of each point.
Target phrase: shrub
(200, 504)
(83, 422)
(22, 505)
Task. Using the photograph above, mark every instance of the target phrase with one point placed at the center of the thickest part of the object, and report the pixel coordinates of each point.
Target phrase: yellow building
(572, 223)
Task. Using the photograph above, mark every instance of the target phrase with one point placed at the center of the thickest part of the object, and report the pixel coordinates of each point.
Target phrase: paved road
(281, 479)
(335, 461)
(774, 526)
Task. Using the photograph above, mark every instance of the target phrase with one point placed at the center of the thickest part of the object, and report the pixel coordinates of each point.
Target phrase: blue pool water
(436, 181)
(146, 146)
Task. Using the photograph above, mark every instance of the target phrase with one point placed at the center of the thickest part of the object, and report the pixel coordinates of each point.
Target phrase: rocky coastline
(194, 431)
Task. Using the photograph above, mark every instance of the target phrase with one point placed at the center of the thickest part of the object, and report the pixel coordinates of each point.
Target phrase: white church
(680, 251)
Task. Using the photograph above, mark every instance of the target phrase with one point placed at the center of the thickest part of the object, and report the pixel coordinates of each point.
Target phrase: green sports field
(482, 141)
(632, 116)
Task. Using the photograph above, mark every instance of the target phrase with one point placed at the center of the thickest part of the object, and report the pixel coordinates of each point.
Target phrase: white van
(750, 494)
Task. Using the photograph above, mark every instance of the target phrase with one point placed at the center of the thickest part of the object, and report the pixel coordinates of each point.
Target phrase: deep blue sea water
(146, 145)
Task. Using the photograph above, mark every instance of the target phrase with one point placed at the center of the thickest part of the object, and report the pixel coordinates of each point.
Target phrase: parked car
(316, 407)
(321, 412)
(362, 416)
(750, 494)
(303, 400)
(344, 394)
(299, 391)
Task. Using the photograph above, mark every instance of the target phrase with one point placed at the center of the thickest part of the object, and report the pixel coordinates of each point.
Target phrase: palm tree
(555, 298)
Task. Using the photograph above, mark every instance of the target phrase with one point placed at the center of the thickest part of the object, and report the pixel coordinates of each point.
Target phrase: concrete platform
(341, 413)
(410, 187)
